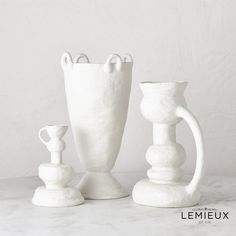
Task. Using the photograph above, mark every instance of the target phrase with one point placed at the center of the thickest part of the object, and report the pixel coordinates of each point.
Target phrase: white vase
(56, 175)
(164, 105)
(97, 99)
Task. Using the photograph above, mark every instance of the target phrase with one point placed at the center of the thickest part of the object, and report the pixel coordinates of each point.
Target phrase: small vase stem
(56, 158)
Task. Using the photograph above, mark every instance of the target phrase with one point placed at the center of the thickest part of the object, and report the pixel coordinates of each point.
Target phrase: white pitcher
(164, 105)
(98, 98)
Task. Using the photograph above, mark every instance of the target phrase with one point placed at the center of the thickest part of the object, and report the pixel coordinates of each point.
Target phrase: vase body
(97, 98)
(164, 105)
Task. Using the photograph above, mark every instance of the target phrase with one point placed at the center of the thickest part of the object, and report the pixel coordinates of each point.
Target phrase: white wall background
(193, 40)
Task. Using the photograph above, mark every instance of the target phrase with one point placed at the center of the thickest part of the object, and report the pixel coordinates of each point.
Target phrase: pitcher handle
(198, 137)
(40, 137)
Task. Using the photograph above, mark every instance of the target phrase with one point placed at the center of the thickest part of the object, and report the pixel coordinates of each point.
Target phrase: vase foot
(101, 185)
(163, 195)
(63, 197)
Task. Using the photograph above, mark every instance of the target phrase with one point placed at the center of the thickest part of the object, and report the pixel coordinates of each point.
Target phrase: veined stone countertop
(115, 217)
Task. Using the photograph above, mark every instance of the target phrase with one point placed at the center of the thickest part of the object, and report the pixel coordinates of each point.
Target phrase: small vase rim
(57, 125)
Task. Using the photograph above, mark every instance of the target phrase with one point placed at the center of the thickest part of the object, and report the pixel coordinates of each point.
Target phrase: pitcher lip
(164, 82)
(173, 86)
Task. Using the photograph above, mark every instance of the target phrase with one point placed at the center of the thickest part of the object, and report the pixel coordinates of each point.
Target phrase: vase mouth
(98, 63)
(82, 60)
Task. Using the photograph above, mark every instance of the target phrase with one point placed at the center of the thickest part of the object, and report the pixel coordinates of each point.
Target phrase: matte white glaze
(55, 174)
(97, 99)
(164, 105)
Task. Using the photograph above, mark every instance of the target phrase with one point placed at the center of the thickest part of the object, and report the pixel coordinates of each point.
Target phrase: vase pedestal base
(163, 195)
(101, 185)
(63, 197)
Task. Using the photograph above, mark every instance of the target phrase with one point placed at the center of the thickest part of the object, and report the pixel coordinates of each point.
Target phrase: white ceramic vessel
(164, 105)
(56, 175)
(98, 98)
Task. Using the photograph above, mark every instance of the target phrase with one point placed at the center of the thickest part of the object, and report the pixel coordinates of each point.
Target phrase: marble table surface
(114, 217)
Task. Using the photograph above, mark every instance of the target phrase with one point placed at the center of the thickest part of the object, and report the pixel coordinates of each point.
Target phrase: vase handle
(81, 56)
(108, 65)
(197, 133)
(66, 60)
(128, 58)
(40, 137)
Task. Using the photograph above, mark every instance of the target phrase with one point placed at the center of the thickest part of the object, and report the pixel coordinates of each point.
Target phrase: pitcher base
(101, 185)
(163, 195)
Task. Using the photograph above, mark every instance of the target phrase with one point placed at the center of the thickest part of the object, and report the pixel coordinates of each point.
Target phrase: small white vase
(56, 175)
(98, 98)
(164, 105)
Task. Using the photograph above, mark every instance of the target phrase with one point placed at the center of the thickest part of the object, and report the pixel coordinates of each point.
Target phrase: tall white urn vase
(97, 99)
(164, 105)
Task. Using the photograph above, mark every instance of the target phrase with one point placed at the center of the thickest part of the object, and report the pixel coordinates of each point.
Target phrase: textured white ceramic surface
(98, 98)
(18, 217)
(190, 40)
(164, 105)
(55, 174)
